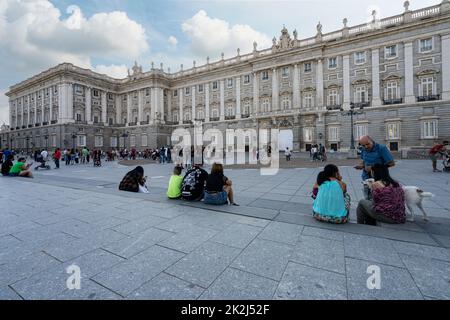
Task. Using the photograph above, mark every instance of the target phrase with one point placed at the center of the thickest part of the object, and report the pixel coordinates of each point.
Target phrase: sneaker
(235, 204)
(436, 170)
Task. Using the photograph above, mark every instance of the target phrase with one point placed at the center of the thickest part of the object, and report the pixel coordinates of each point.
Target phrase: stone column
(154, 105)
(222, 100)
(43, 105)
(275, 90)
(169, 105)
(118, 109)
(446, 66)
(238, 97)
(50, 94)
(296, 88)
(206, 102)
(319, 84)
(161, 104)
(376, 100)
(346, 76)
(409, 74)
(104, 108)
(70, 116)
(35, 108)
(255, 108)
(61, 103)
(11, 107)
(29, 110)
(193, 114)
(88, 105)
(140, 106)
(180, 94)
(129, 111)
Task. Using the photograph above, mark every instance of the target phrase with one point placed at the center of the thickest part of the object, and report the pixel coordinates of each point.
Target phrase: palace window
(132, 140)
(308, 100)
(333, 97)
(78, 89)
(215, 85)
(111, 121)
(308, 67)
(113, 142)
(230, 83)
(265, 75)
(247, 79)
(360, 57)
(95, 119)
(187, 116)
(246, 109)
(393, 131)
(110, 96)
(285, 72)
(200, 88)
(95, 93)
(175, 117)
(175, 93)
(147, 118)
(429, 129)
(215, 113)
(230, 110)
(308, 134)
(265, 105)
(333, 134)
(200, 114)
(286, 103)
(81, 141)
(390, 52)
(392, 90)
(332, 63)
(78, 117)
(144, 140)
(361, 94)
(360, 130)
(98, 141)
(426, 45)
(187, 91)
(147, 92)
(427, 86)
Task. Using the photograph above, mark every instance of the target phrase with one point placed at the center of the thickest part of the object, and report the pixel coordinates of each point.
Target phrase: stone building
(394, 73)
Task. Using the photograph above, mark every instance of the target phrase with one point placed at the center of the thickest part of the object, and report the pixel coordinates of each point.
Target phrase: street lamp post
(351, 113)
(74, 136)
(28, 149)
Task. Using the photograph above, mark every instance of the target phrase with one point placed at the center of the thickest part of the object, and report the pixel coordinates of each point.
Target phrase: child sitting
(174, 189)
(332, 202)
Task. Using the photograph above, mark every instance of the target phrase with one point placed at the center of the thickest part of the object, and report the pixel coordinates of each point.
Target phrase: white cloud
(173, 41)
(34, 37)
(4, 115)
(211, 36)
(115, 71)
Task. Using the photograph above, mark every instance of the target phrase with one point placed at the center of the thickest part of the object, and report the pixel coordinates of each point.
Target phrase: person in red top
(437, 150)
(57, 157)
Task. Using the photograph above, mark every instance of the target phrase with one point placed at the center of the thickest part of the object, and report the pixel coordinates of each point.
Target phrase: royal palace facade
(393, 74)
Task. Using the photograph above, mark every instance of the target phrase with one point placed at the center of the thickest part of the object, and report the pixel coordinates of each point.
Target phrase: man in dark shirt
(194, 183)
(7, 165)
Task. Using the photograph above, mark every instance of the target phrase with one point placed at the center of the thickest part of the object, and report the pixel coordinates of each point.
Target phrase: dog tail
(425, 194)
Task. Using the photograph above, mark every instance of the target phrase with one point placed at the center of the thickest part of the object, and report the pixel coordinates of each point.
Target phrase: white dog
(413, 196)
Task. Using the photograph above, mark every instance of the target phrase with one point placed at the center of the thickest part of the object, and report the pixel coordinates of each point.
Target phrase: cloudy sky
(109, 35)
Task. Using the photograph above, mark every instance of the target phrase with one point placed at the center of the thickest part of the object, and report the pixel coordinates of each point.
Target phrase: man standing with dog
(372, 153)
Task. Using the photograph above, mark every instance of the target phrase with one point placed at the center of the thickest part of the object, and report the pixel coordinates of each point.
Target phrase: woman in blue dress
(332, 203)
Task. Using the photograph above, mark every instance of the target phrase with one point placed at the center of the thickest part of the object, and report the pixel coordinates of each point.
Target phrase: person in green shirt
(174, 190)
(21, 169)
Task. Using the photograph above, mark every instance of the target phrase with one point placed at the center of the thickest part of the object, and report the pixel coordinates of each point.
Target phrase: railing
(187, 122)
(30, 126)
(428, 98)
(230, 117)
(334, 107)
(361, 105)
(214, 119)
(422, 13)
(244, 116)
(144, 122)
(392, 101)
(54, 121)
(37, 124)
(198, 119)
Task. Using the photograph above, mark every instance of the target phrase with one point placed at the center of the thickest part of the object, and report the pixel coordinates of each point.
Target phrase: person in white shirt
(44, 155)
(287, 153)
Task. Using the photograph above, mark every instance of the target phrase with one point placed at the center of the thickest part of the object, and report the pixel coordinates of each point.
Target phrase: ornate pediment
(285, 41)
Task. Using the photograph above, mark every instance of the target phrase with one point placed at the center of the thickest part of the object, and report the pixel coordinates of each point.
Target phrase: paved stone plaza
(142, 246)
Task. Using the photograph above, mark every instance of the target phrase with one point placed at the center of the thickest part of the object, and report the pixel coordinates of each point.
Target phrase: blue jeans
(217, 198)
